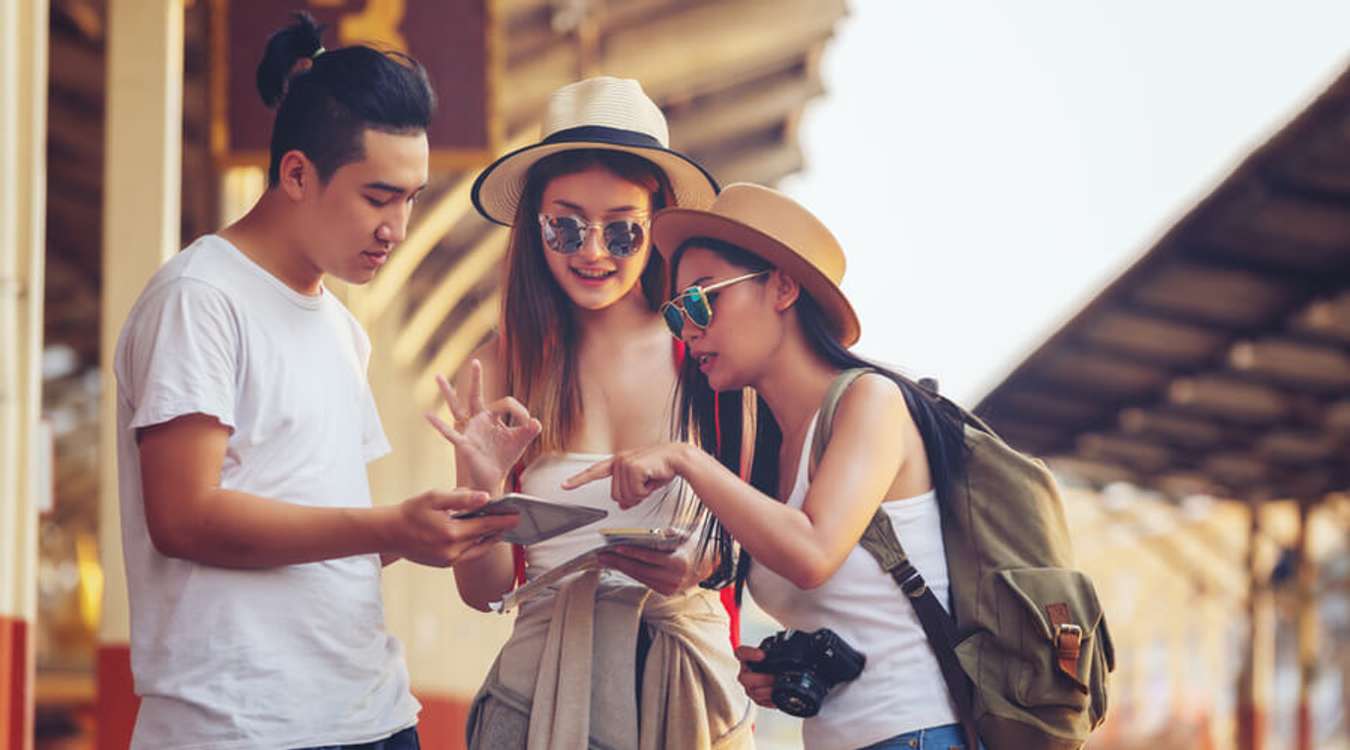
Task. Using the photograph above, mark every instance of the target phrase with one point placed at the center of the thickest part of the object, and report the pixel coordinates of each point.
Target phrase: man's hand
(422, 529)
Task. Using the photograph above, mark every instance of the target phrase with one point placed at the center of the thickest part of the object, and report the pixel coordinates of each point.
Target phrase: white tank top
(544, 477)
(900, 688)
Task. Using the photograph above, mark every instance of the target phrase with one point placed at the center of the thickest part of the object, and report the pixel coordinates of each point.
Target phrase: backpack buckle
(1068, 647)
(910, 581)
(1068, 639)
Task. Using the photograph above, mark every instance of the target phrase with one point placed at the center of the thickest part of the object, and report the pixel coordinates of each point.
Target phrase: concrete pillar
(10, 565)
(23, 191)
(240, 188)
(1306, 622)
(141, 208)
(1254, 680)
(1213, 640)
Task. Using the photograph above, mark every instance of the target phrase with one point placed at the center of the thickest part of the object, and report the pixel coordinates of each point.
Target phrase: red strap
(517, 551)
(733, 613)
(518, 559)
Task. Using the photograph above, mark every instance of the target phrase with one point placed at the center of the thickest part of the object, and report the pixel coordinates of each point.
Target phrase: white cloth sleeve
(182, 350)
(374, 443)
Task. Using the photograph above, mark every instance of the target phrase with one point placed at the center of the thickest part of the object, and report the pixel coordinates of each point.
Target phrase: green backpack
(1025, 651)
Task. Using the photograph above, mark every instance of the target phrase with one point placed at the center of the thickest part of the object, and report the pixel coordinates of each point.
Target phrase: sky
(989, 166)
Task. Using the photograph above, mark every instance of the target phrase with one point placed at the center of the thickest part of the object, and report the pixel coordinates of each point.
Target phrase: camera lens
(798, 693)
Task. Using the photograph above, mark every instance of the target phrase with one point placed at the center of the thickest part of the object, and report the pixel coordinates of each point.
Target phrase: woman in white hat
(583, 361)
(760, 306)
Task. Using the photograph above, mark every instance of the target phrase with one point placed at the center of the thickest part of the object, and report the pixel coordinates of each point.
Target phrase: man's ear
(785, 290)
(297, 174)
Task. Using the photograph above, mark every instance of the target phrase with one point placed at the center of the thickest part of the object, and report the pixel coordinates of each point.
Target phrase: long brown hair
(539, 333)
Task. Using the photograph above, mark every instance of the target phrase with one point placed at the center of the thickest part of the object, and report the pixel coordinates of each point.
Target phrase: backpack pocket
(1104, 656)
(1051, 621)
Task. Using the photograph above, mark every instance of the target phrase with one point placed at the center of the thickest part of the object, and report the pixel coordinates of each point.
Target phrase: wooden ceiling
(1220, 362)
(733, 77)
(75, 176)
(75, 98)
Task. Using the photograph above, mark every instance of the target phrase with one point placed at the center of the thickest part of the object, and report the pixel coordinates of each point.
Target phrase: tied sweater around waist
(586, 636)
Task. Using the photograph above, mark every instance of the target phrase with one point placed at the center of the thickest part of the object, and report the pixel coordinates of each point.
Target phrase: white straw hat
(611, 114)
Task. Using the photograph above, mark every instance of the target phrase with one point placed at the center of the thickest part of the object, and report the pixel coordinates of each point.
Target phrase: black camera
(806, 666)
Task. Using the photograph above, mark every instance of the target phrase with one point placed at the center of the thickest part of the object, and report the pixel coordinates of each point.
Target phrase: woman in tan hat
(583, 349)
(760, 306)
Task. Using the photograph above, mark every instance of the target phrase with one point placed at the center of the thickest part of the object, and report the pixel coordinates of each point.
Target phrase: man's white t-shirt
(286, 657)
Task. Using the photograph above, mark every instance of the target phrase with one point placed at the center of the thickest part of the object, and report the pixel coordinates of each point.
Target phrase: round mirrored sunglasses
(566, 234)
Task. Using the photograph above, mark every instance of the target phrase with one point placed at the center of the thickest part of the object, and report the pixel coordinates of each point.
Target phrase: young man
(245, 423)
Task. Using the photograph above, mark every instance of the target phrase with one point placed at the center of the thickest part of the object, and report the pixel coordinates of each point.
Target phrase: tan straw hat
(612, 114)
(779, 230)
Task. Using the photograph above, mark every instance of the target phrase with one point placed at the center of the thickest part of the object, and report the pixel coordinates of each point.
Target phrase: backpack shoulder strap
(825, 418)
(880, 541)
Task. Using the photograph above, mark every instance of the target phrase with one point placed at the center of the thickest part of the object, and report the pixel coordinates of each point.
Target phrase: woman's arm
(485, 451)
(487, 578)
(872, 436)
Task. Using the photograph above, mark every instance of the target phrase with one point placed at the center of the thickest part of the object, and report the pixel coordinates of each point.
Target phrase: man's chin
(357, 277)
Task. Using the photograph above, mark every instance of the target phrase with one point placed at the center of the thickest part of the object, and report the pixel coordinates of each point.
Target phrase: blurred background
(1121, 232)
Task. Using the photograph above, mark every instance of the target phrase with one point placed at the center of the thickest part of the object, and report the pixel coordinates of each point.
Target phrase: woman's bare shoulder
(873, 399)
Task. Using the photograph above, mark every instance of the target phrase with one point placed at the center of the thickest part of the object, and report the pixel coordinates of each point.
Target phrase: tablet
(664, 539)
(539, 519)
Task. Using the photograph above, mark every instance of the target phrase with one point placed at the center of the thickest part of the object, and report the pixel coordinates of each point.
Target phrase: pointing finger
(590, 474)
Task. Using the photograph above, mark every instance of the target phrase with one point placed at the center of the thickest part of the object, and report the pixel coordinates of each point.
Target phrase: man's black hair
(324, 106)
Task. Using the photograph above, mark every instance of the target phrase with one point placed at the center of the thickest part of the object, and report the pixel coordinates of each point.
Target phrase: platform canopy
(1219, 363)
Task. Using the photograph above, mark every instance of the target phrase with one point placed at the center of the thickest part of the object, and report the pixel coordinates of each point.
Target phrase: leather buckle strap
(1068, 644)
(1068, 648)
(1068, 639)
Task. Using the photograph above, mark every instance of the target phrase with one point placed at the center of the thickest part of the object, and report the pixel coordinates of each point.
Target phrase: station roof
(1219, 363)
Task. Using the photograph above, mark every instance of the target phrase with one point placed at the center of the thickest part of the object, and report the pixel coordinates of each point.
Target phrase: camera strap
(880, 541)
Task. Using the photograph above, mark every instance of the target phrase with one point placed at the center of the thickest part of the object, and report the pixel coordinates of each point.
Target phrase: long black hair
(325, 105)
(716, 421)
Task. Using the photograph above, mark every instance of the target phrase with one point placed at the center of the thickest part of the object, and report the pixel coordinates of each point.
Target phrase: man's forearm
(239, 530)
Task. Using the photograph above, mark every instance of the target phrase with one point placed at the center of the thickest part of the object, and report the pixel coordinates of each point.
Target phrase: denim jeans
(947, 737)
(405, 740)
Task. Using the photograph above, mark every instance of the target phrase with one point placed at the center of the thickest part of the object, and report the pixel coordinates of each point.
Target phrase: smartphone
(661, 539)
(540, 519)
